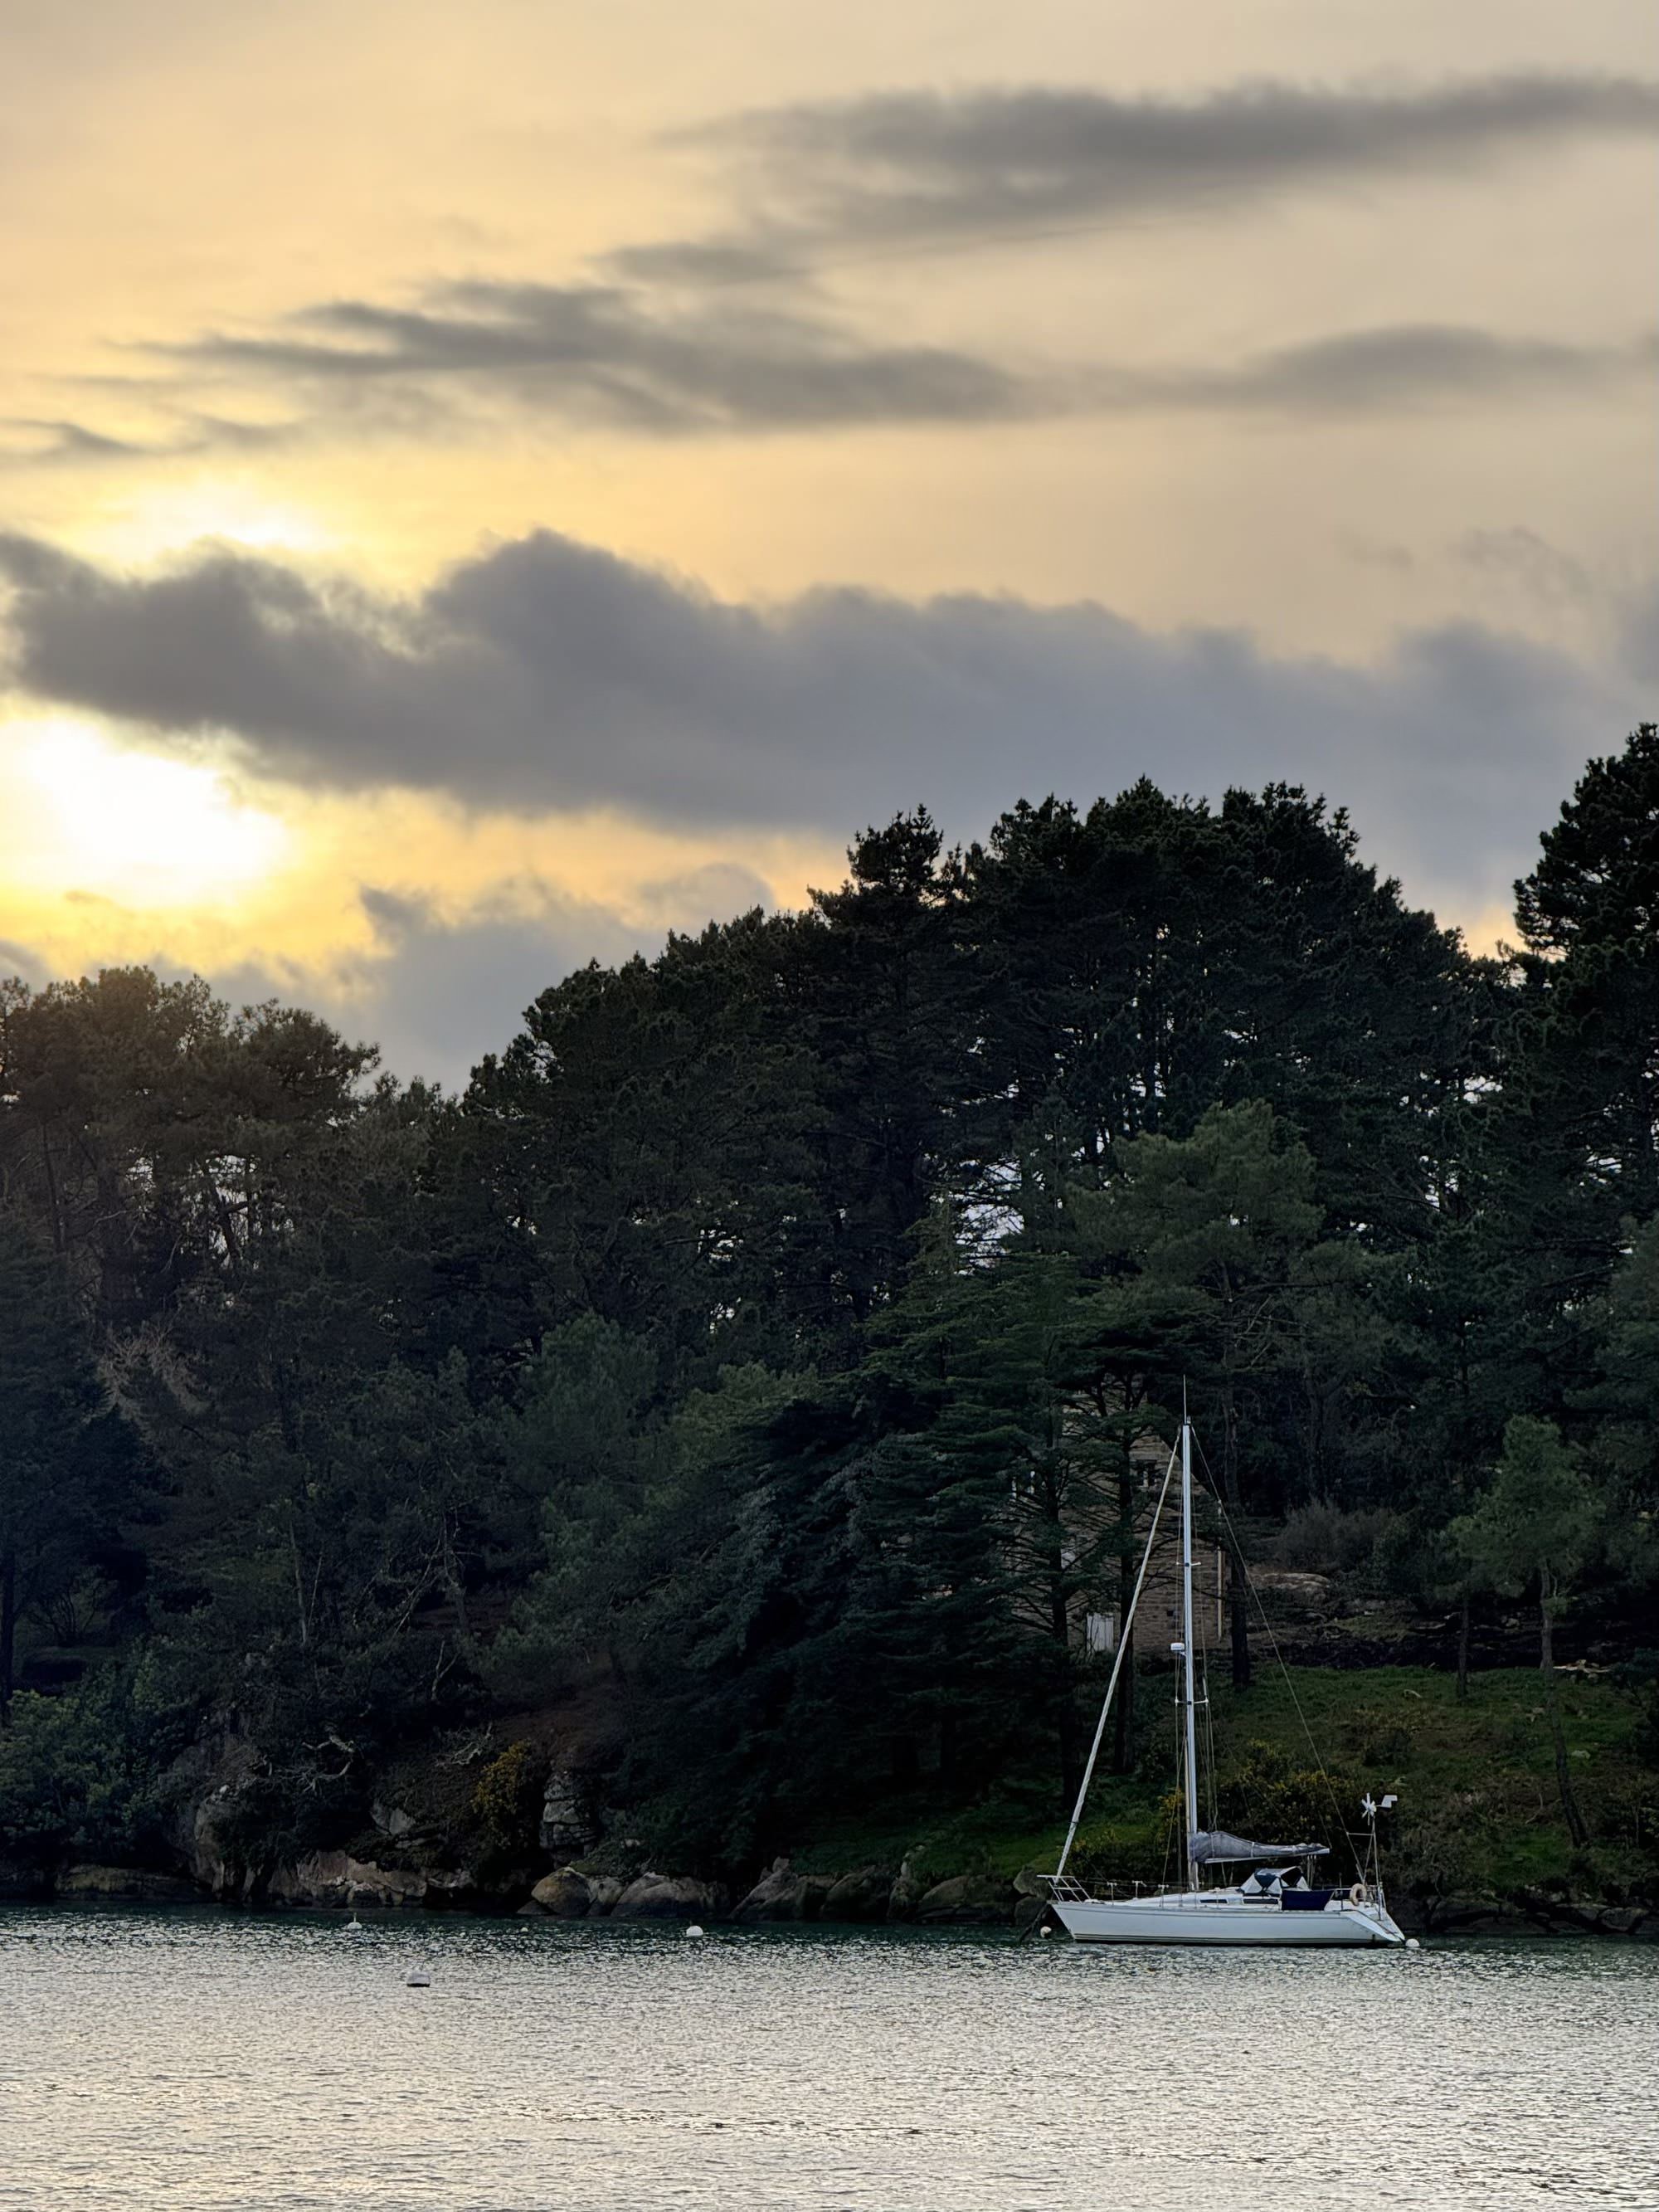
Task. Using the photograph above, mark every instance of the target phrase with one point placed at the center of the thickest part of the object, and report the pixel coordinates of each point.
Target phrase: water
(202, 2063)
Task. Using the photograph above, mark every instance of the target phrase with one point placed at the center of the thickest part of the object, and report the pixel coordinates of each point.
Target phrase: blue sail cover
(1215, 1847)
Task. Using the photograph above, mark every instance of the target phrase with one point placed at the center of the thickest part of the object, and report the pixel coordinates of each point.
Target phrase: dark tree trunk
(1575, 1827)
(1463, 1650)
(1071, 1768)
(1123, 1720)
(8, 1631)
(1238, 1588)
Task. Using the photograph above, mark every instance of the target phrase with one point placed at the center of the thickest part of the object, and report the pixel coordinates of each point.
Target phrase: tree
(1573, 1139)
(1534, 1529)
(1143, 961)
(1220, 1234)
(49, 1393)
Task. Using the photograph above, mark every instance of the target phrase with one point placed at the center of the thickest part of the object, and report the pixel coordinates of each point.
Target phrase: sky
(483, 487)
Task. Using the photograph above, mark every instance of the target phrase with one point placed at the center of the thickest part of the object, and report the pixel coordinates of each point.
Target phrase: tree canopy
(762, 1359)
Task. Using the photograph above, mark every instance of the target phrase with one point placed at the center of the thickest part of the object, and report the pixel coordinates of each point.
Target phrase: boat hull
(1211, 1918)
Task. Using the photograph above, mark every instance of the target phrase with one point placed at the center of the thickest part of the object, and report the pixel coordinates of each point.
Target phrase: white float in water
(354, 1926)
(417, 1981)
(693, 1929)
(1412, 1943)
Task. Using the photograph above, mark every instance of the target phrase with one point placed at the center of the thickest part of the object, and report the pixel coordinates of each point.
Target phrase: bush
(81, 1774)
(506, 1800)
(1323, 1539)
(1267, 1794)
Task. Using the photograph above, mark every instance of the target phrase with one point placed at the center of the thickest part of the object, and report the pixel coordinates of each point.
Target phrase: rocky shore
(334, 1880)
(576, 1861)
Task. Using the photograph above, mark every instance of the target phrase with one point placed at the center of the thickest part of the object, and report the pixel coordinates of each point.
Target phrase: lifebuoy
(1357, 1894)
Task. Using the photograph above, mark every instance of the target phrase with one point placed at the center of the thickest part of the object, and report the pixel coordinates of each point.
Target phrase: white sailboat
(1278, 1899)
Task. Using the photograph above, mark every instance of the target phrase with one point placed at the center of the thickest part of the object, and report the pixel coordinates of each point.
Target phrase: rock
(603, 1892)
(860, 1896)
(563, 1896)
(908, 1886)
(968, 1900)
(334, 1877)
(781, 1895)
(90, 1880)
(1634, 1922)
(1028, 1882)
(567, 1821)
(391, 1819)
(1309, 1595)
(668, 1897)
(203, 1784)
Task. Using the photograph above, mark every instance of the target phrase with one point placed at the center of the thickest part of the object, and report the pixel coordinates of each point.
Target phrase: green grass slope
(1479, 1816)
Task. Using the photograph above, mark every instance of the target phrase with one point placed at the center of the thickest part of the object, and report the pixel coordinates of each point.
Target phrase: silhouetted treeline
(758, 1351)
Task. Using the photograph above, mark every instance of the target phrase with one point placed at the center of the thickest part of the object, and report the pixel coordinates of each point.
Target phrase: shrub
(505, 1800)
(1267, 1794)
(1323, 1539)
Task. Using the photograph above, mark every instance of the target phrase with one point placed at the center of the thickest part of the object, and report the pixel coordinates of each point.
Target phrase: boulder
(1629, 1920)
(860, 1896)
(1289, 1592)
(335, 1878)
(968, 1900)
(604, 1890)
(781, 1895)
(668, 1897)
(90, 1880)
(563, 1896)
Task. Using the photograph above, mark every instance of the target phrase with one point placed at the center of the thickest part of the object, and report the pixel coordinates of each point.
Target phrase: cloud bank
(910, 164)
(610, 358)
(547, 674)
(730, 333)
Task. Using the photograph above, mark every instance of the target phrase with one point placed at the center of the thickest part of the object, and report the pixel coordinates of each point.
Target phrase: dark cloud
(438, 993)
(620, 355)
(1640, 639)
(61, 439)
(64, 441)
(916, 164)
(1518, 556)
(587, 355)
(1364, 372)
(547, 674)
(730, 332)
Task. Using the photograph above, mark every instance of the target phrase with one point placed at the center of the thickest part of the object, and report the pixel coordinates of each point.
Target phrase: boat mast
(1189, 1698)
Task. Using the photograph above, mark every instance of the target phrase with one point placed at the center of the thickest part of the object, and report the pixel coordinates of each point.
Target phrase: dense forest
(750, 1375)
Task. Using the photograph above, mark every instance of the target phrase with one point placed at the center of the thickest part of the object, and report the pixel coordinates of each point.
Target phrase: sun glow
(166, 520)
(131, 826)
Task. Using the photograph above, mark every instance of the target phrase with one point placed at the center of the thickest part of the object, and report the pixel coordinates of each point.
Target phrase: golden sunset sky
(484, 485)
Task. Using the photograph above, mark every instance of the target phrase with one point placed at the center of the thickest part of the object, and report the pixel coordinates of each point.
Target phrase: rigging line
(1118, 1664)
(1320, 1766)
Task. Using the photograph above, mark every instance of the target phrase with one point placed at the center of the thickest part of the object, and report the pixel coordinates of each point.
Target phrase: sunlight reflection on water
(200, 2061)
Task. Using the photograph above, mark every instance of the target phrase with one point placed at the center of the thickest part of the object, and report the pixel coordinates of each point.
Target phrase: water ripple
(202, 2063)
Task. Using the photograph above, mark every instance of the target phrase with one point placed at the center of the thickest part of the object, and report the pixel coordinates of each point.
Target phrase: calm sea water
(199, 2063)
